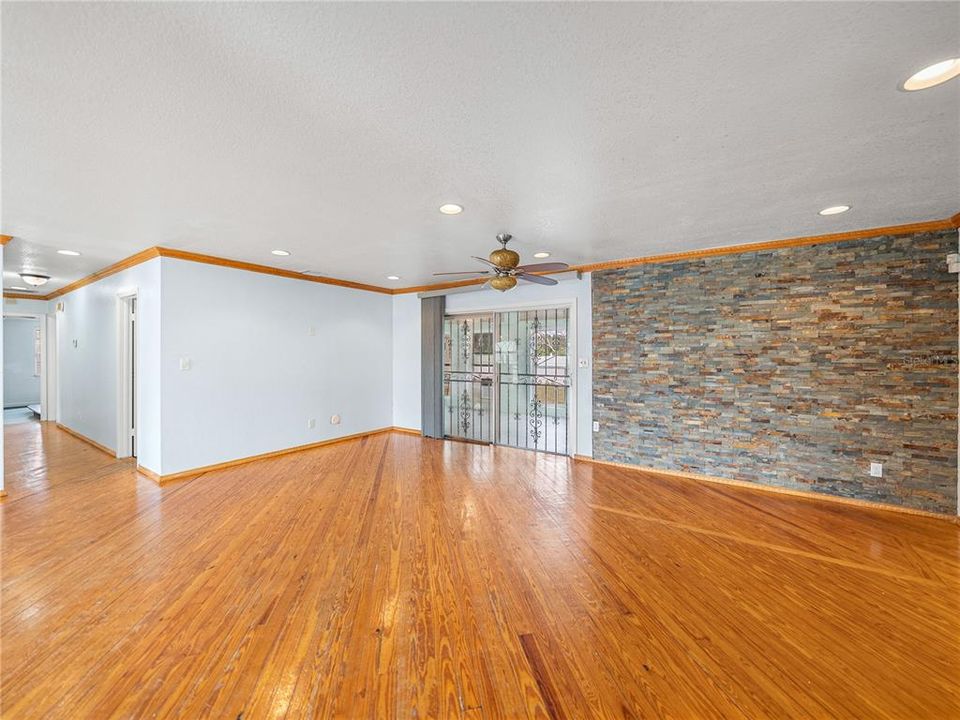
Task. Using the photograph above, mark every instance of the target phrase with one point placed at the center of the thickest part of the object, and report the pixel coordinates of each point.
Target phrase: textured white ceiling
(594, 131)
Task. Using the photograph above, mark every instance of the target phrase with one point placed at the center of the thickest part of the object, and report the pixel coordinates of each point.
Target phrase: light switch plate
(596, 426)
(876, 469)
(184, 363)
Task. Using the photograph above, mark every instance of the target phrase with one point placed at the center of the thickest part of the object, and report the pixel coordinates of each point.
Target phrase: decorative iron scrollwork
(465, 410)
(535, 419)
(465, 344)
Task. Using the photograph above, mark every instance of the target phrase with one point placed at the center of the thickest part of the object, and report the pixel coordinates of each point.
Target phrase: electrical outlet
(334, 419)
(583, 362)
(876, 469)
(184, 363)
(311, 423)
(596, 426)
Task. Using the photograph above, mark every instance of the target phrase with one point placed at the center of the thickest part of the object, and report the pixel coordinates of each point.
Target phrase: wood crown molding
(758, 487)
(909, 229)
(24, 296)
(153, 252)
(124, 264)
(267, 270)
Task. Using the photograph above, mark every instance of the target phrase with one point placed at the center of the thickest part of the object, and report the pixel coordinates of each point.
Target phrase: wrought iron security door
(468, 377)
(506, 378)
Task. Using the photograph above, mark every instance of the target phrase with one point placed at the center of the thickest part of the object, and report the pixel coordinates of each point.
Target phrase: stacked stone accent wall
(793, 367)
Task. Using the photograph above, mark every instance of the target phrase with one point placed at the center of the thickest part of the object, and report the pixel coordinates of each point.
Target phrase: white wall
(406, 324)
(21, 386)
(406, 361)
(88, 354)
(256, 373)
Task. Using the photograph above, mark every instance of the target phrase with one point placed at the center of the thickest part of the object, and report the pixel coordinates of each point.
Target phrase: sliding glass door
(506, 378)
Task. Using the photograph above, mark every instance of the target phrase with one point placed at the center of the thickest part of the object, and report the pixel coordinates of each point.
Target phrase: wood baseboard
(194, 472)
(81, 436)
(802, 494)
(147, 472)
(406, 431)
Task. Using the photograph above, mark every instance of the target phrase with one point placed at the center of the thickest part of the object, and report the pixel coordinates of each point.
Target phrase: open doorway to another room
(23, 368)
(127, 361)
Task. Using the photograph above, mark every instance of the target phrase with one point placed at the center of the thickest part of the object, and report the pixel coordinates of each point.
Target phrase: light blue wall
(87, 349)
(20, 385)
(406, 361)
(257, 373)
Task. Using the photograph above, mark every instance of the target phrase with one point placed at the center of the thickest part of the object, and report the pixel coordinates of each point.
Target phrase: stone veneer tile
(792, 367)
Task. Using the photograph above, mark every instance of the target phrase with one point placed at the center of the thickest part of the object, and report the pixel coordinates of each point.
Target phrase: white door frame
(571, 305)
(50, 389)
(44, 349)
(126, 390)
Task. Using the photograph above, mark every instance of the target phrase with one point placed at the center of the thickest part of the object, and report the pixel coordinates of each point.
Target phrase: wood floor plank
(393, 576)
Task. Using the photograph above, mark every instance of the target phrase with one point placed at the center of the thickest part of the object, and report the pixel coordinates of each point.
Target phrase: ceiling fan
(505, 268)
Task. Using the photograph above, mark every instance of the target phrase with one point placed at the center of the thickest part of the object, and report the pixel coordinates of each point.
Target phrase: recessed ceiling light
(393, 277)
(541, 254)
(71, 253)
(933, 75)
(281, 253)
(835, 210)
(451, 209)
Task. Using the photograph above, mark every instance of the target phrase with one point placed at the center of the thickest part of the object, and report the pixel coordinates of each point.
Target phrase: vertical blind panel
(431, 365)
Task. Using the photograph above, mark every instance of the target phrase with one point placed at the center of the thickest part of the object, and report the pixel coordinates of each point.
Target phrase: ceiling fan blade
(467, 272)
(544, 267)
(539, 279)
(483, 260)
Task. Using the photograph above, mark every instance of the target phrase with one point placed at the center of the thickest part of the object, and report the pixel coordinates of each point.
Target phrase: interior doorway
(128, 350)
(507, 378)
(24, 367)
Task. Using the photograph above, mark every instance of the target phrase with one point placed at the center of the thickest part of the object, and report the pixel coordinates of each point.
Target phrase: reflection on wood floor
(399, 577)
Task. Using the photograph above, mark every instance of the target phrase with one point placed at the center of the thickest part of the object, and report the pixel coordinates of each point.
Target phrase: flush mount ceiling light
(34, 279)
(393, 277)
(933, 75)
(541, 254)
(18, 287)
(71, 253)
(835, 210)
(451, 209)
(280, 253)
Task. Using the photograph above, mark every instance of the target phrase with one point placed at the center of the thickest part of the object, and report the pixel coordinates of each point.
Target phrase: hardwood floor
(399, 577)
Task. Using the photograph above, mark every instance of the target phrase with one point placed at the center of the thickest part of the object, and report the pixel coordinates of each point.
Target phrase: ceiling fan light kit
(504, 258)
(506, 268)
